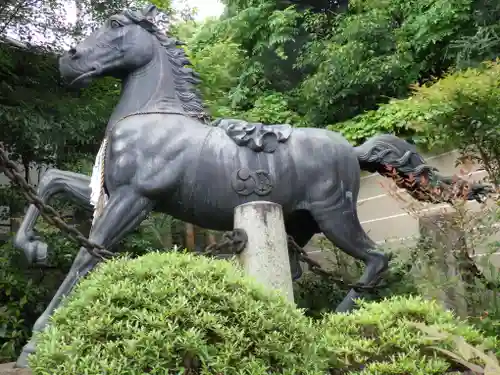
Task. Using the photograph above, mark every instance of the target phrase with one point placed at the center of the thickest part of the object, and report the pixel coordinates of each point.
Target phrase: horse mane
(185, 78)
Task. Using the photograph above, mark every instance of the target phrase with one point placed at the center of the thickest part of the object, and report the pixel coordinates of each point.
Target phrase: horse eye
(115, 24)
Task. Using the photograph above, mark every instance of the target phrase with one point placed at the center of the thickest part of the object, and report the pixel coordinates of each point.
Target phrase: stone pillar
(446, 242)
(265, 257)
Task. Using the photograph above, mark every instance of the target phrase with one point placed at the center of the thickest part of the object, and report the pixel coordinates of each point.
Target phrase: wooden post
(265, 257)
(190, 239)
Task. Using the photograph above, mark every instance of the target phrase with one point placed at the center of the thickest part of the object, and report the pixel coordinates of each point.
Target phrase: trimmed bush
(317, 295)
(177, 314)
(381, 339)
(171, 313)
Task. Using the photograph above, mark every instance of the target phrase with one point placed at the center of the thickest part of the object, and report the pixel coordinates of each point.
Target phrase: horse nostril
(73, 53)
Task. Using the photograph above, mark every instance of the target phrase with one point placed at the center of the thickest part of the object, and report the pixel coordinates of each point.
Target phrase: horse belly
(218, 188)
(222, 220)
(212, 205)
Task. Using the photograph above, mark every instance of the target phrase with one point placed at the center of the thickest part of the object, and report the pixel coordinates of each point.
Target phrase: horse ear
(150, 12)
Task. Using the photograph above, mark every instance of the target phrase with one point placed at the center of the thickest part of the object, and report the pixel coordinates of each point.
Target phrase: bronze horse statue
(161, 153)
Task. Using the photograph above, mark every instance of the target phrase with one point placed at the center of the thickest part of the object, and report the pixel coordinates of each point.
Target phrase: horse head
(125, 43)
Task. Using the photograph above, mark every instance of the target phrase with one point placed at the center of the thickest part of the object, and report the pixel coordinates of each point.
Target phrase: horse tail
(396, 158)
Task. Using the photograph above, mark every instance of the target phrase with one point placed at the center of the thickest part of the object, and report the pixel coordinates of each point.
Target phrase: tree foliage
(43, 121)
(270, 61)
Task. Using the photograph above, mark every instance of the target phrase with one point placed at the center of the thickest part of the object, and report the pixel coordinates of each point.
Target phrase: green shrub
(398, 116)
(176, 313)
(317, 295)
(380, 338)
(183, 314)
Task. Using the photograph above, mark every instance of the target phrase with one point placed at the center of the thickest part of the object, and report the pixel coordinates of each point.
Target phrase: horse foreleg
(124, 211)
(83, 263)
(74, 186)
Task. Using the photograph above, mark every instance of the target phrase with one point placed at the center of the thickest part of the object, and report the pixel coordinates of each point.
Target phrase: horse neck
(148, 89)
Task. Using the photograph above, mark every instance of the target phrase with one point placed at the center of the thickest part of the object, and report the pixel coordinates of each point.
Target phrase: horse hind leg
(301, 227)
(73, 185)
(301, 239)
(344, 230)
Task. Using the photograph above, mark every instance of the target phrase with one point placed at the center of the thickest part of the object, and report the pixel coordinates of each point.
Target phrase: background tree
(321, 68)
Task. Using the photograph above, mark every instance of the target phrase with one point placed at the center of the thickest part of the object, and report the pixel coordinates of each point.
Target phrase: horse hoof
(28, 349)
(22, 361)
(39, 252)
(35, 251)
